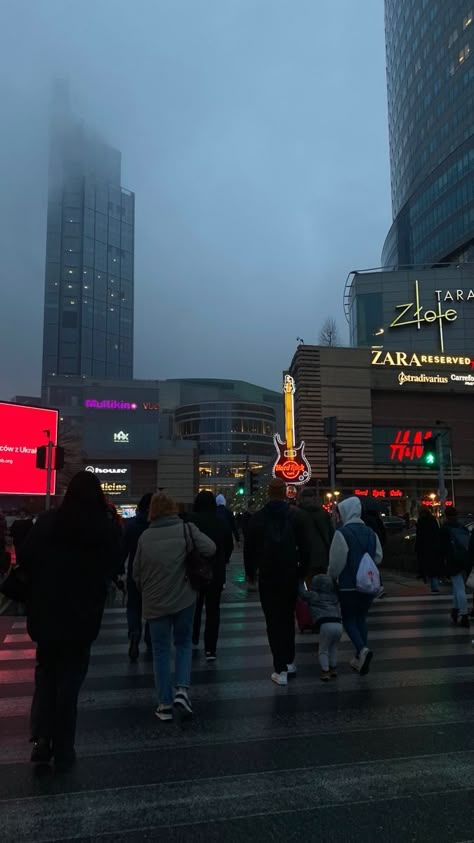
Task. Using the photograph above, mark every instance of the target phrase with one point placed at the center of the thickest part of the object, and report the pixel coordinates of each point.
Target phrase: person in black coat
(67, 560)
(205, 517)
(457, 553)
(428, 549)
(133, 529)
(278, 546)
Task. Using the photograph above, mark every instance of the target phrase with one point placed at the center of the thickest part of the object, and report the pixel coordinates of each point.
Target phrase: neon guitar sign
(291, 464)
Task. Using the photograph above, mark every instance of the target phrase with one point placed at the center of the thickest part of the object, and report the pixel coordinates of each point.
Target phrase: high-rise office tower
(430, 78)
(88, 308)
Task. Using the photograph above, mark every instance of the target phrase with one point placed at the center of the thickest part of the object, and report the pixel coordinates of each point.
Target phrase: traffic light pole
(49, 472)
(441, 480)
(332, 464)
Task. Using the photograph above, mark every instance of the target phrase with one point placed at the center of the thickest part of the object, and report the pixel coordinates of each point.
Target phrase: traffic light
(430, 453)
(254, 482)
(241, 487)
(41, 456)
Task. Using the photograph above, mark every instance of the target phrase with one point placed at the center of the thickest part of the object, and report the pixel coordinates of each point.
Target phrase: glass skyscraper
(430, 80)
(88, 308)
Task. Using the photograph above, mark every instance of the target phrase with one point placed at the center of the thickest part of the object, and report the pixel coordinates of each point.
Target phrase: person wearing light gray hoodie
(351, 540)
(323, 602)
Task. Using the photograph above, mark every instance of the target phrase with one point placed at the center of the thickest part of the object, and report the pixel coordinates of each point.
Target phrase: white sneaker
(365, 657)
(164, 712)
(291, 670)
(280, 678)
(182, 700)
(355, 664)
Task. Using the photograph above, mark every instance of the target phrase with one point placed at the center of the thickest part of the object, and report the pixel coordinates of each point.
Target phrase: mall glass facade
(430, 76)
(231, 437)
(88, 308)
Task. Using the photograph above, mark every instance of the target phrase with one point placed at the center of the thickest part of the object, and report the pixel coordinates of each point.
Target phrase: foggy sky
(254, 134)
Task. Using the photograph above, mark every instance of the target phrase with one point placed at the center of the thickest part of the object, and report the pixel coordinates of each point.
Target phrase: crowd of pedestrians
(174, 566)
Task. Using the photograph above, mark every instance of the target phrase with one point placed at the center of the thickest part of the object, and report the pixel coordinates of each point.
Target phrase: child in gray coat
(326, 614)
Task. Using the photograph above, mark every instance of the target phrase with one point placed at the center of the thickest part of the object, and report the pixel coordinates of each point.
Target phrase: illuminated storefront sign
(291, 464)
(121, 437)
(421, 378)
(406, 359)
(114, 479)
(378, 493)
(97, 469)
(92, 404)
(408, 445)
(404, 446)
(414, 313)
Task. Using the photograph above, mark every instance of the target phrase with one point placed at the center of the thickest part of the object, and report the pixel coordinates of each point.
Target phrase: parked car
(394, 524)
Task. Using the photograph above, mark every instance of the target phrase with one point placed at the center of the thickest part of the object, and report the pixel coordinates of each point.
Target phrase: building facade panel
(430, 75)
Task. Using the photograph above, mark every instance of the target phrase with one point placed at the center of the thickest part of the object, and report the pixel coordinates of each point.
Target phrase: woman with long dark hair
(68, 558)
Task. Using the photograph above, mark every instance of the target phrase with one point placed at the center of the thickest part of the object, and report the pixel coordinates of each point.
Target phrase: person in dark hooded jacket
(133, 529)
(428, 549)
(67, 559)
(206, 518)
(322, 531)
(278, 545)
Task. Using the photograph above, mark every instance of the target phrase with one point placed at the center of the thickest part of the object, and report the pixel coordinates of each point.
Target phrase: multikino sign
(92, 404)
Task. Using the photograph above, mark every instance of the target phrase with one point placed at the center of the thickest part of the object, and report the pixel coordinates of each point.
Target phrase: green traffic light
(430, 459)
(241, 490)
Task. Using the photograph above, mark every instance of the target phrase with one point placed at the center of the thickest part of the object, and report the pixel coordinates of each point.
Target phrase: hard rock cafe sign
(291, 464)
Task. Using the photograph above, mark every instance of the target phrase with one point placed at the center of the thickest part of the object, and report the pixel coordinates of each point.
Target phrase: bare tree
(329, 334)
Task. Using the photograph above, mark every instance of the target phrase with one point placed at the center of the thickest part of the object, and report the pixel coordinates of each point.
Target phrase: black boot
(464, 621)
(454, 615)
(133, 650)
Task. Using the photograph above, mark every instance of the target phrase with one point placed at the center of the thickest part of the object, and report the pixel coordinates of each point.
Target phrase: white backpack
(368, 577)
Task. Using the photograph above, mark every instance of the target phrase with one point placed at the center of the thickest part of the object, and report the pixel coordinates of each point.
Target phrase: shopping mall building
(181, 435)
(408, 374)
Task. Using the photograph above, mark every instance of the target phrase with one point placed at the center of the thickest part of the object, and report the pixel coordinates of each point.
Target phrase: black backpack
(460, 539)
(280, 557)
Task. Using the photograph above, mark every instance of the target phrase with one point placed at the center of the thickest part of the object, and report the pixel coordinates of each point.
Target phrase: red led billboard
(22, 430)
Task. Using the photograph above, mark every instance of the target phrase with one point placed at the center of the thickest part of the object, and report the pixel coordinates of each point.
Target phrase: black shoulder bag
(198, 569)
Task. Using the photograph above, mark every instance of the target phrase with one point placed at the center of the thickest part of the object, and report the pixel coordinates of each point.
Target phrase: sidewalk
(396, 583)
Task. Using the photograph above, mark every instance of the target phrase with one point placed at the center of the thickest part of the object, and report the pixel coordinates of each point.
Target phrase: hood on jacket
(349, 509)
(276, 509)
(220, 500)
(310, 505)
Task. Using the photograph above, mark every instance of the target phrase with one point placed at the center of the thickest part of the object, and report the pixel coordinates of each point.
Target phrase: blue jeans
(434, 582)
(160, 630)
(354, 609)
(459, 594)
